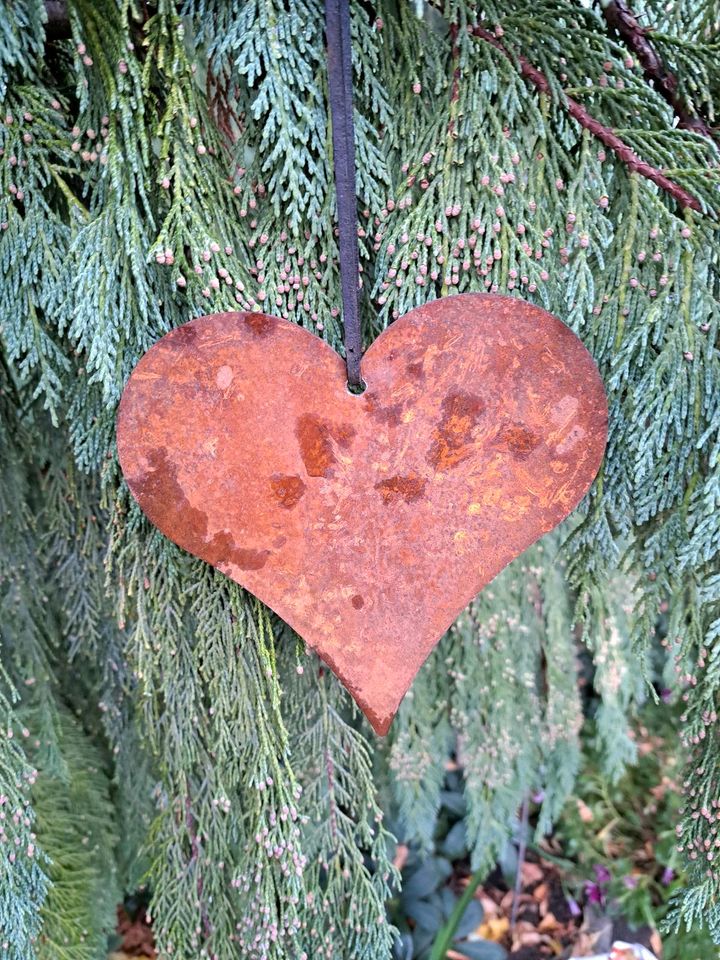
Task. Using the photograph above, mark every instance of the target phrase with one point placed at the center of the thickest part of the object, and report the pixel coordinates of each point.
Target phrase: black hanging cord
(337, 26)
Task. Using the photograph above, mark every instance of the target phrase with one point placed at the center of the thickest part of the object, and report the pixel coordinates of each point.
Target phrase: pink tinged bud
(417, 87)
(181, 281)
(165, 183)
(521, 229)
(601, 156)
(584, 241)
(201, 149)
(81, 49)
(544, 275)
(55, 104)
(88, 61)
(485, 180)
(532, 287)
(685, 232)
(689, 355)
(75, 146)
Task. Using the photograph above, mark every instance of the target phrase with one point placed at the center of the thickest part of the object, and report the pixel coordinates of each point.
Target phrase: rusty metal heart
(367, 522)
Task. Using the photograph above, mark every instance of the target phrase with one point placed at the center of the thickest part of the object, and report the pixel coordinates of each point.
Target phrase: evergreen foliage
(173, 159)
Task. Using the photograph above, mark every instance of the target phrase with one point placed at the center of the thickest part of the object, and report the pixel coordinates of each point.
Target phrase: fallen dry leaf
(541, 891)
(549, 922)
(531, 873)
(494, 929)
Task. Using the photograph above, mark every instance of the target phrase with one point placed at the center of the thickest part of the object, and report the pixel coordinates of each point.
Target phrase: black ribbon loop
(337, 26)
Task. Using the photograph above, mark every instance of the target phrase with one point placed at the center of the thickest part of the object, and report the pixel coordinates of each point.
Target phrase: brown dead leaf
(523, 900)
(548, 923)
(541, 891)
(586, 814)
(490, 908)
(656, 944)
(531, 873)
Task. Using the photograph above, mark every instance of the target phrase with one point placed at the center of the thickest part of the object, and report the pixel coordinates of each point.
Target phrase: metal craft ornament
(367, 522)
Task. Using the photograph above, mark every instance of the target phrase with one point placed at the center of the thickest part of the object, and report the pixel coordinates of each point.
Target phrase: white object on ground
(622, 951)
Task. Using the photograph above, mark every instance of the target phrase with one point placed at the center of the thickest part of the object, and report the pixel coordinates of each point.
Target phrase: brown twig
(621, 18)
(621, 149)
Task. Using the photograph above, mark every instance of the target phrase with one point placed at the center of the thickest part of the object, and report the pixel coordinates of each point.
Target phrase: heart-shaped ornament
(367, 522)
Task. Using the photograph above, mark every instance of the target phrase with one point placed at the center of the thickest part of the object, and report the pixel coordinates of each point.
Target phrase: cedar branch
(611, 140)
(621, 18)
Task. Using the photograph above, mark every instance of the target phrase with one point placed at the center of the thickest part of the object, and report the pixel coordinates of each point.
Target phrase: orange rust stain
(260, 323)
(452, 438)
(517, 439)
(409, 488)
(315, 442)
(288, 490)
(389, 414)
(357, 601)
(342, 433)
(166, 504)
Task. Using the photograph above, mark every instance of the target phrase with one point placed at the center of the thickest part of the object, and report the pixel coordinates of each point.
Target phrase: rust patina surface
(366, 522)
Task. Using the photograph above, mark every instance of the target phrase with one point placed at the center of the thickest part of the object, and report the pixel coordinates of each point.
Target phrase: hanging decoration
(367, 521)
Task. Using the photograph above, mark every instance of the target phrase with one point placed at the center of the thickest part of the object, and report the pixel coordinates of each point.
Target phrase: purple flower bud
(602, 874)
